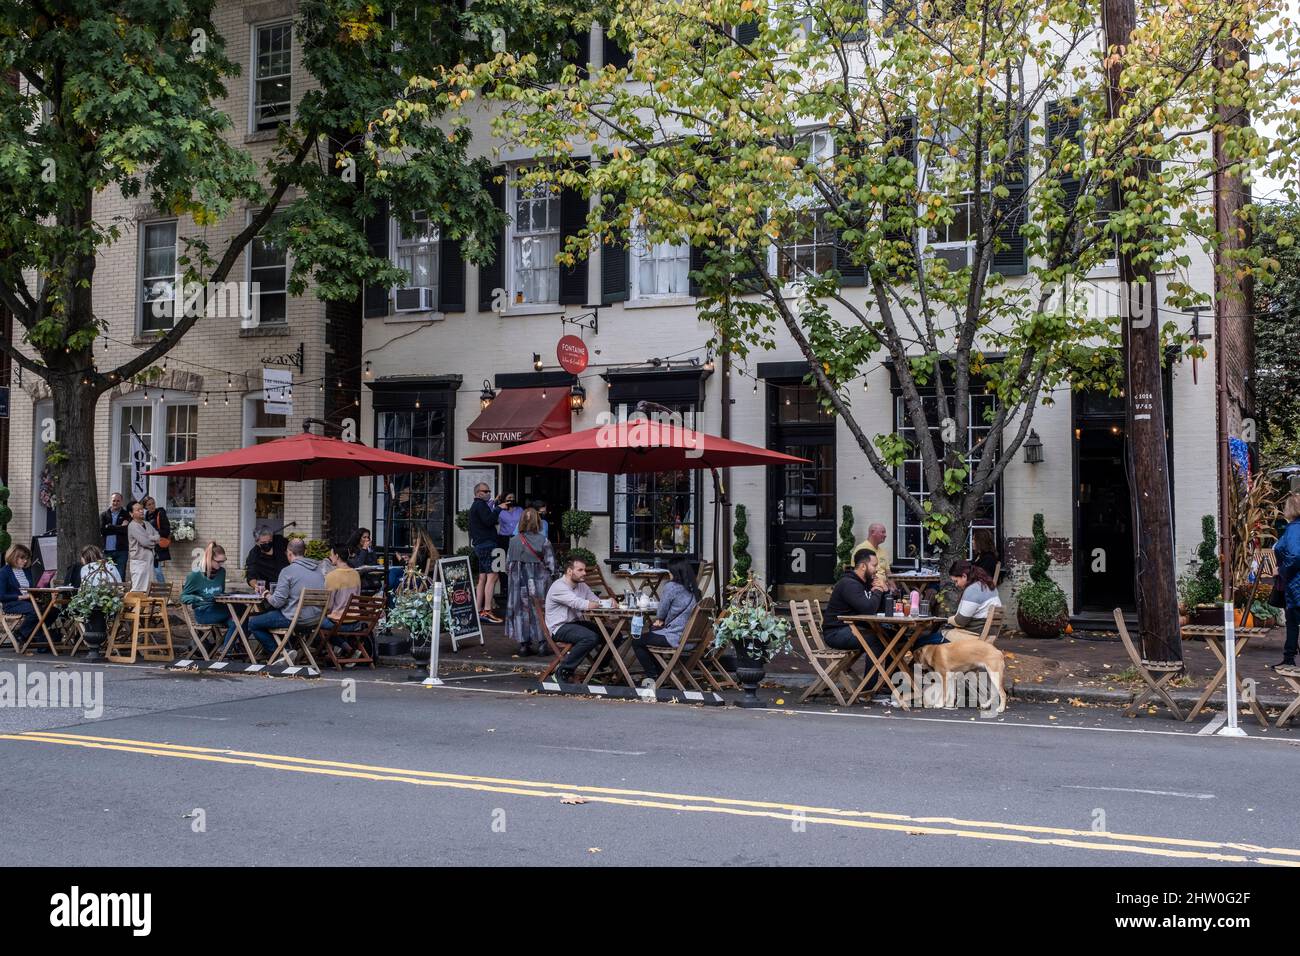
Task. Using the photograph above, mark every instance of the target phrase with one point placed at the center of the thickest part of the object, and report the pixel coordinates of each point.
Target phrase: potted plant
(757, 635)
(412, 612)
(1203, 590)
(1041, 609)
(740, 549)
(844, 551)
(93, 606)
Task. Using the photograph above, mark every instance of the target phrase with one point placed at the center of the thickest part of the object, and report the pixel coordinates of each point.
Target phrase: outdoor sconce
(577, 398)
(1033, 448)
(486, 396)
(537, 362)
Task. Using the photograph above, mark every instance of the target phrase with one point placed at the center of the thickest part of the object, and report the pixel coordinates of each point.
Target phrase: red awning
(523, 414)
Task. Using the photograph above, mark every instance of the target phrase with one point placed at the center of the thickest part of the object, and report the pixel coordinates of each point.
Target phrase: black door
(801, 516)
(549, 486)
(1103, 516)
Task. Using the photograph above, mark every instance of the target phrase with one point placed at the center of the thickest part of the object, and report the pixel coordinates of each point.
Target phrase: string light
(226, 396)
(229, 383)
(205, 399)
(368, 372)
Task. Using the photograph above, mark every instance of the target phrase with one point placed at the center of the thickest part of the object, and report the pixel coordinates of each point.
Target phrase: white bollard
(1230, 653)
(435, 636)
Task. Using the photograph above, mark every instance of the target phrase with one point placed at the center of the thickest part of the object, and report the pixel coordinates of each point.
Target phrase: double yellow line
(1169, 847)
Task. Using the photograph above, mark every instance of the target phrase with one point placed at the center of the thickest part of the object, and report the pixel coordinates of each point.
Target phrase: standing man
(113, 526)
(567, 601)
(483, 513)
(875, 538)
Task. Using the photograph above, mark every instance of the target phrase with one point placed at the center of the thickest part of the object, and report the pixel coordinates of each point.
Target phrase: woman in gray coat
(530, 566)
(676, 602)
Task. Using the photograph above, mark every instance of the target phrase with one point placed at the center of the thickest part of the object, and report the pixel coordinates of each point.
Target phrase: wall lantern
(1033, 448)
(486, 396)
(577, 398)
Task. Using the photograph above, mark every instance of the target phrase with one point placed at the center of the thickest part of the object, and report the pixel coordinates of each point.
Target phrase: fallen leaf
(780, 700)
(572, 798)
(593, 849)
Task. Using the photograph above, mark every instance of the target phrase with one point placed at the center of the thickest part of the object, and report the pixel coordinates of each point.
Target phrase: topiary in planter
(740, 547)
(1041, 608)
(844, 552)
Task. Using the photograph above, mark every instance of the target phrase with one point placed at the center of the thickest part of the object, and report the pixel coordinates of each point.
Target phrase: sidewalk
(1067, 669)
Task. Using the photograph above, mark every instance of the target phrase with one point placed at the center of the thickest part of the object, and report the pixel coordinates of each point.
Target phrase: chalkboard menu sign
(458, 579)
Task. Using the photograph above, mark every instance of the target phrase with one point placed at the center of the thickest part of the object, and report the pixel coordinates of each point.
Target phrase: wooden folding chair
(831, 665)
(997, 574)
(992, 626)
(7, 624)
(1290, 674)
(302, 631)
(143, 629)
(166, 591)
(1167, 670)
(357, 625)
(685, 658)
(596, 581)
(558, 648)
(200, 634)
(704, 580)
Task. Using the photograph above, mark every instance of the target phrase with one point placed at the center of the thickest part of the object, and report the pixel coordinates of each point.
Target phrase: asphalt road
(188, 769)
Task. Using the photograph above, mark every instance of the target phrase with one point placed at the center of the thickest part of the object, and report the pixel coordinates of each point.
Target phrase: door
(801, 518)
(1103, 565)
(548, 486)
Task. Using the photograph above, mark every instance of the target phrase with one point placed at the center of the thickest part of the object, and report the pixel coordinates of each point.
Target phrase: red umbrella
(304, 457)
(644, 444)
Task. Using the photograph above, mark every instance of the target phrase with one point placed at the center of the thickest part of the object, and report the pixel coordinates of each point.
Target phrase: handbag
(1277, 596)
(164, 541)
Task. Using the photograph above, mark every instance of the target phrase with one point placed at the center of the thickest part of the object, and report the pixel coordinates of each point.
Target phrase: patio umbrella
(644, 445)
(308, 457)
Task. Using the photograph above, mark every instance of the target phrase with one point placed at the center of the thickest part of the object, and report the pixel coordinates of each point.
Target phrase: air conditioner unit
(416, 299)
(956, 257)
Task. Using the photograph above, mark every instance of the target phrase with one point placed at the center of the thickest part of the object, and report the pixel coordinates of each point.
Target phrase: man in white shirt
(567, 600)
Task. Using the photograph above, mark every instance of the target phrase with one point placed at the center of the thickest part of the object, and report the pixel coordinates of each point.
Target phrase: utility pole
(1146, 443)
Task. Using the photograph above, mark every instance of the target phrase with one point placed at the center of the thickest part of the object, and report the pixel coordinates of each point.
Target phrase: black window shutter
(748, 276)
(851, 274)
(582, 58)
(613, 53)
(375, 297)
(699, 258)
(905, 131)
(573, 219)
(615, 265)
(451, 276)
(492, 274)
(1013, 259)
(1063, 122)
(747, 33)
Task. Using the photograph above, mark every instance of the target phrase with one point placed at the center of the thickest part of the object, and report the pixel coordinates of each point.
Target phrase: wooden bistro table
(44, 601)
(241, 605)
(897, 634)
(1214, 640)
(642, 577)
(610, 622)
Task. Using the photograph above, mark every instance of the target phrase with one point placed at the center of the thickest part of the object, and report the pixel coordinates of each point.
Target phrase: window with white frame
(948, 171)
(661, 269)
(809, 248)
(416, 252)
(910, 539)
(534, 242)
(268, 276)
(181, 445)
(158, 276)
(169, 432)
(272, 74)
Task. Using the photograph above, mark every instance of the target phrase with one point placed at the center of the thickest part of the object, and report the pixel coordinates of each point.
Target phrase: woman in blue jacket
(1287, 552)
(676, 602)
(14, 583)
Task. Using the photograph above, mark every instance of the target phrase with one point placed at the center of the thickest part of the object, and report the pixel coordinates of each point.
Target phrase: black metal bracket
(289, 359)
(584, 320)
(1195, 312)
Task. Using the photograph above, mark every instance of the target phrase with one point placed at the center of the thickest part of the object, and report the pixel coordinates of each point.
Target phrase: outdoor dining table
(240, 604)
(1215, 638)
(610, 622)
(897, 635)
(44, 601)
(643, 577)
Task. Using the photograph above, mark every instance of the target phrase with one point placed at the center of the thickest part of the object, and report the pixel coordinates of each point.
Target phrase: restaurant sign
(462, 604)
(572, 354)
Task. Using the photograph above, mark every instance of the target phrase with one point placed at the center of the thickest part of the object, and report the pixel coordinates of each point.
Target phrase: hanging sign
(278, 385)
(572, 353)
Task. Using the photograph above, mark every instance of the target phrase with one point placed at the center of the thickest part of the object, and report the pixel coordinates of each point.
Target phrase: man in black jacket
(113, 524)
(858, 592)
(483, 511)
(267, 558)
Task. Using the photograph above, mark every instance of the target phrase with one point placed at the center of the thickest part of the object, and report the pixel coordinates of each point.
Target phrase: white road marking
(197, 717)
(1154, 793)
(1217, 721)
(597, 750)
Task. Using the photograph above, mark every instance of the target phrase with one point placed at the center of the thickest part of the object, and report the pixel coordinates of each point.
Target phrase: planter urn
(96, 633)
(750, 670)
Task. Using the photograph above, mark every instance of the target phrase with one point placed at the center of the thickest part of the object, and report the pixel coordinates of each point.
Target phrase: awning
(523, 414)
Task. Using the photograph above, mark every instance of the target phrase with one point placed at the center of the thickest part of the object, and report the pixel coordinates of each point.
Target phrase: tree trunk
(77, 483)
(1146, 448)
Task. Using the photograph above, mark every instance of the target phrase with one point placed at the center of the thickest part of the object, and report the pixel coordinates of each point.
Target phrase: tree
(812, 154)
(1277, 373)
(127, 97)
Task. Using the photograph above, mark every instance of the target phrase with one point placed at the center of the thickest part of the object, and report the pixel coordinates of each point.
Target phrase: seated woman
(202, 587)
(14, 599)
(978, 598)
(342, 581)
(859, 591)
(985, 552)
(676, 602)
(94, 569)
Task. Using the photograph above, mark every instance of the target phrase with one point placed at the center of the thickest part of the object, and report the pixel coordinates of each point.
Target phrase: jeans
(641, 648)
(118, 558)
(583, 636)
(28, 623)
(1292, 632)
(259, 626)
(840, 638)
(338, 632)
(158, 574)
(212, 614)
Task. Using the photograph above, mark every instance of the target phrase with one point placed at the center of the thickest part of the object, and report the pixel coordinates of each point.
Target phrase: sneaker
(648, 683)
(564, 677)
(526, 650)
(289, 657)
(357, 654)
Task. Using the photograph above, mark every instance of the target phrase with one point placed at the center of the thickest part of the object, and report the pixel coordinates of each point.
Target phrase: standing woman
(529, 561)
(158, 518)
(143, 539)
(1287, 552)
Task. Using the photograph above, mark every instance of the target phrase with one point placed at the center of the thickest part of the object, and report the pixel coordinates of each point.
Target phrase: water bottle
(638, 624)
(916, 603)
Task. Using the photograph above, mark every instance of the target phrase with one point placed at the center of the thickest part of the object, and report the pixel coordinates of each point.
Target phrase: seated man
(342, 579)
(266, 558)
(566, 601)
(301, 574)
(875, 539)
(858, 592)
